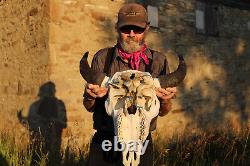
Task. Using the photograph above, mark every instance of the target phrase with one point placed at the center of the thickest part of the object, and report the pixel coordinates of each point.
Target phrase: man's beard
(131, 45)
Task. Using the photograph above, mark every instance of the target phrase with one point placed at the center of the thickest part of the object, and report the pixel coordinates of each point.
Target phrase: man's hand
(95, 91)
(166, 94)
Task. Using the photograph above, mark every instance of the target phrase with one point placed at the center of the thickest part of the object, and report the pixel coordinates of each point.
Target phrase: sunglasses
(127, 29)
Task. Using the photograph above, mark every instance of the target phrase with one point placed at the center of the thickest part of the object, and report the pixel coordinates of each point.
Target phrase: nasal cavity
(132, 109)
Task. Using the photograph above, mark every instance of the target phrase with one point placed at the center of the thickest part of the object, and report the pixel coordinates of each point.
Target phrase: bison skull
(132, 102)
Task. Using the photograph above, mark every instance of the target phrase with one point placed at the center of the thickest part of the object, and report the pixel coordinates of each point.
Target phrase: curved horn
(175, 78)
(90, 75)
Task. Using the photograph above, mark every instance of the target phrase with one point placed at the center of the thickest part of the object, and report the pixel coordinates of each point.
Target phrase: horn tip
(181, 57)
(86, 54)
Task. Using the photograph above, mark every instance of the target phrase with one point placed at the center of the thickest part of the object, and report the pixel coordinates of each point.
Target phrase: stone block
(56, 10)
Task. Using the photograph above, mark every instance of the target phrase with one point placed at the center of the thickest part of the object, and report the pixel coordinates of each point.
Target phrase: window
(153, 16)
(206, 18)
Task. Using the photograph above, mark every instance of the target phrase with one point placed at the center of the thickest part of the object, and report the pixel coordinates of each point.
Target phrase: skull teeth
(119, 131)
(142, 128)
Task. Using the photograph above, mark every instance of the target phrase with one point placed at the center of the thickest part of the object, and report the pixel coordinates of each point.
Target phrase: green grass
(12, 155)
(204, 149)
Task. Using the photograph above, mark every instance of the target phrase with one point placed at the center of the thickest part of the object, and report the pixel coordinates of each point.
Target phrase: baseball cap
(132, 14)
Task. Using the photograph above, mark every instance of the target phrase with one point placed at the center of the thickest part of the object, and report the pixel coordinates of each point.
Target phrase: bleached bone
(134, 90)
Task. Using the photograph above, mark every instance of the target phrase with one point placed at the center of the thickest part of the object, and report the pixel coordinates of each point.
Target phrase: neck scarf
(134, 57)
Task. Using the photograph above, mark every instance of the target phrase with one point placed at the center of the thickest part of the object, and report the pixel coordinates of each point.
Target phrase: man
(130, 52)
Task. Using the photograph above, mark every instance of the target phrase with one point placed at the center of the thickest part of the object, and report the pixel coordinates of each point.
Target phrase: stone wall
(24, 49)
(43, 41)
(216, 91)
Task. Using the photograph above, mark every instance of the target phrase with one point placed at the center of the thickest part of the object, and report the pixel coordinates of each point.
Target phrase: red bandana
(134, 58)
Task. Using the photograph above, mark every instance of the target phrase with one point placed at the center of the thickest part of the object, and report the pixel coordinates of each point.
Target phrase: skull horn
(175, 78)
(90, 75)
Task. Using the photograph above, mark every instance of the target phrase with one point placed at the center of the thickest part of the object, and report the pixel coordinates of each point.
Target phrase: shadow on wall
(238, 82)
(45, 121)
(225, 106)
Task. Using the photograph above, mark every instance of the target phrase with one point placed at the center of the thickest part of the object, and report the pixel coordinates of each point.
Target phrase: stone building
(43, 41)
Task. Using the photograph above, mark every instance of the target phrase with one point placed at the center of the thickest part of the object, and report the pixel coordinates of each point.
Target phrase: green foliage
(11, 155)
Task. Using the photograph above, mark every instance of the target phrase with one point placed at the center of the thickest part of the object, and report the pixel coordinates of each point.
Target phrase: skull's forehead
(145, 90)
(131, 79)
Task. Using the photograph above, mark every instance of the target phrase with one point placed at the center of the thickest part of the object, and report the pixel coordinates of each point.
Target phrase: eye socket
(146, 97)
(139, 97)
(119, 96)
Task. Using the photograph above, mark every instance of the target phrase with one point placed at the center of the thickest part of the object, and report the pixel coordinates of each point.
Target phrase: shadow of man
(237, 83)
(45, 121)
